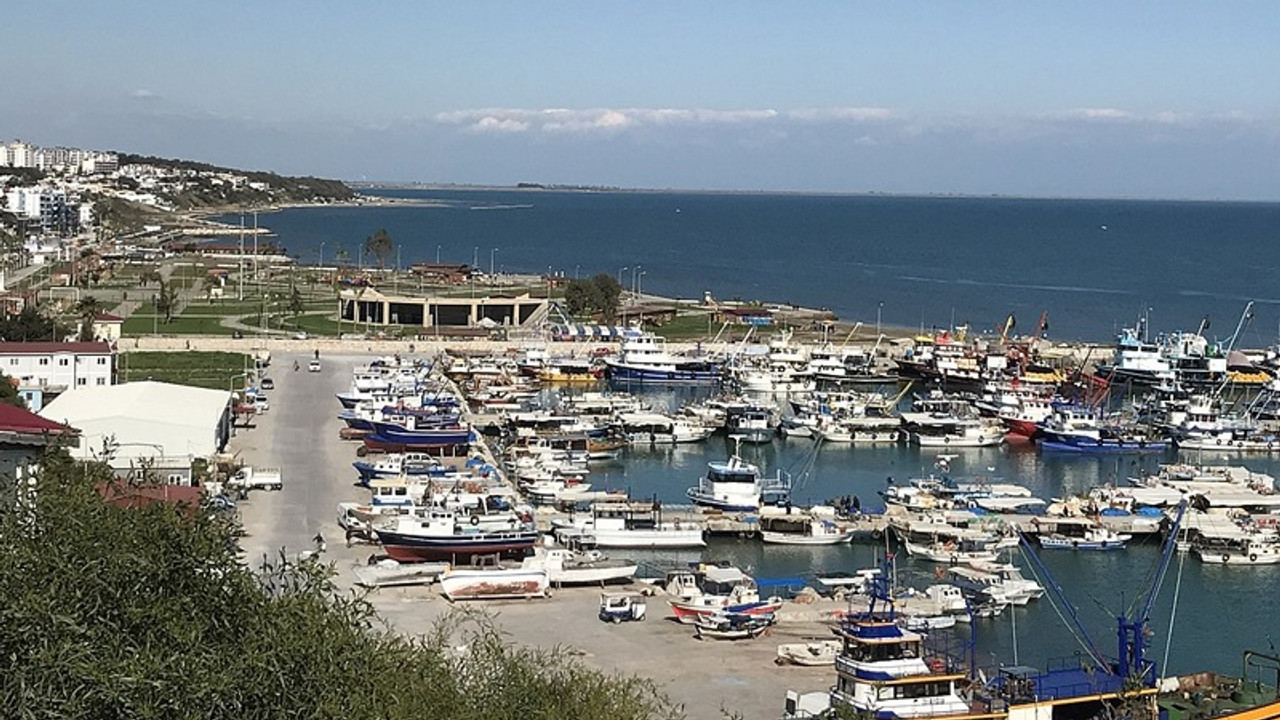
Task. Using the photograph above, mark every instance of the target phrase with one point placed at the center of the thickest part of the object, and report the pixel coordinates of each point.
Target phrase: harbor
(651, 475)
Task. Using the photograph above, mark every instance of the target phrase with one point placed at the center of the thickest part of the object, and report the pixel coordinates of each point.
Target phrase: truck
(251, 478)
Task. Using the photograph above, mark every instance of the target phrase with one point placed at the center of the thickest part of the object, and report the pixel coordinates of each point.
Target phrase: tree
(296, 305)
(9, 393)
(87, 309)
(380, 246)
(166, 300)
(598, 295)
(146, 612)
(30, 326)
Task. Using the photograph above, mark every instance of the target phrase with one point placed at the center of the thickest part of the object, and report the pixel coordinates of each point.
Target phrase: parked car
(313, 366)
(267, 384)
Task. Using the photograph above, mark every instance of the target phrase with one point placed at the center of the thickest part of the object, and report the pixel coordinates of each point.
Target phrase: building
(145, 422)
(107, 327)
(23, 436)
(59, 366)
(371, 307)
(447, 273)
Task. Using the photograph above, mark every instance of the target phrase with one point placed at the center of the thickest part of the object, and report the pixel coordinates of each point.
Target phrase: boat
(753, 424)
(809, 654)
(643, 358)
(735, 485)
(951, 551)
(803, 530)
(390, 573)
(629, 525)
(704, 590)
(650, 428)
(569, 371)
(495, 583)
(731, 626)
(580, 567)
(1244, 550)
(441, 534)
(1093, 538)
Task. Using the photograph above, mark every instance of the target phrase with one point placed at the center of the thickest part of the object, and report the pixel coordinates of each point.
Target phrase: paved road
(299, 435)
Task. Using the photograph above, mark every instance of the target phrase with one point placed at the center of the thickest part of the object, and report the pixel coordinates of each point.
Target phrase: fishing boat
(731, 626)
(494, 583)
(643, 358)
(802, 530)
(397, 464)
(951, 551)
(1093, 538)
(628, 525)
(754, 425)
(569, 371)
(736, 485)
(574, 567)
(1247, 549)
(441, 534)
(704, 590)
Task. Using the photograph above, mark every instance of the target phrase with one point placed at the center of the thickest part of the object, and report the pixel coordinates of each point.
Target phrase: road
(299, 435)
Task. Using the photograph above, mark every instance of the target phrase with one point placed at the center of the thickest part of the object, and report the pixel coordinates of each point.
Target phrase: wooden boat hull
(498, 584)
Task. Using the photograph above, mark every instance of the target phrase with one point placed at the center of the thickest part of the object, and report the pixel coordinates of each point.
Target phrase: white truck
(251, 478)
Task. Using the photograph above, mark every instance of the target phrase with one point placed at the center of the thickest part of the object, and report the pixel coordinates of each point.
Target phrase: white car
(313, 366)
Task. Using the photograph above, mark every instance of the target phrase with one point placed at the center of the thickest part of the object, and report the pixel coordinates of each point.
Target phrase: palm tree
(87, 309)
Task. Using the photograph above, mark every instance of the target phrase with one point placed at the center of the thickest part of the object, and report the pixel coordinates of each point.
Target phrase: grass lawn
(215, 370)
(687, 327)
(145, 324)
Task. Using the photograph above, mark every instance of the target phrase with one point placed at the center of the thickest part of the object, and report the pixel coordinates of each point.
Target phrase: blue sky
(1084, 98)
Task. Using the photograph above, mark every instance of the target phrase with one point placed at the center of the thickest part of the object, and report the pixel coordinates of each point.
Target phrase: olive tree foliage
(599, 295)
(148, 612)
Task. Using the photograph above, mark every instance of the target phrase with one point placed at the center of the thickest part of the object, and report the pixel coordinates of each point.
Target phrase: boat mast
(1245, 317)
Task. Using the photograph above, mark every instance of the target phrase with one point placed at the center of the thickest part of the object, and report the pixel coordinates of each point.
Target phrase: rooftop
(49, 348)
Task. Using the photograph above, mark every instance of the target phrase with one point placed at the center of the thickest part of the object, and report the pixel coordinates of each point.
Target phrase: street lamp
(620, 271)
(321, 254)
(491, 254)
(879, 308)
(437, 254)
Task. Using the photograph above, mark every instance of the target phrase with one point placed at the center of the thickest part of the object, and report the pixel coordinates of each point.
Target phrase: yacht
(735, 485)
(643, 358)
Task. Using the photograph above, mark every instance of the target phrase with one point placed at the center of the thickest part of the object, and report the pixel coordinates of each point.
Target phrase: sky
(1093, 98)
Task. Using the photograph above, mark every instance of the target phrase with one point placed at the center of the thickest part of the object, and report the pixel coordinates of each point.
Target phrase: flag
(1010, 323)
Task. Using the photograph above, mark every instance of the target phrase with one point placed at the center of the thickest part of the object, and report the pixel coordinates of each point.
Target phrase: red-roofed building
(107, 327)
(23, 436)
(58, 366)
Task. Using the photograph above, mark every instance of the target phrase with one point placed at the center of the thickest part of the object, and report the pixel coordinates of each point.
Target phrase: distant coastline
(532, 187)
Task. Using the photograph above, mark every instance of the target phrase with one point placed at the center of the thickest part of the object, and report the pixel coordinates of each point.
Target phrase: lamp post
(492, 277)
(437, 254)
(879, 308)
(620, 271)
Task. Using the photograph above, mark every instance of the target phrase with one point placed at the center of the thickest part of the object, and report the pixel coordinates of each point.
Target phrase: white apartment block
(56, 367)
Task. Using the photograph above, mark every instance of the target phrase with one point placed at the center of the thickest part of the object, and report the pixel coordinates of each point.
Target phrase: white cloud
(143, 94)
(842, 113)
(499, 125)
(595, 120)
(1102, 114)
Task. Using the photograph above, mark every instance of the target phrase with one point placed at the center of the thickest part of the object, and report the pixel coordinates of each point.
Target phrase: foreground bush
(110, 612)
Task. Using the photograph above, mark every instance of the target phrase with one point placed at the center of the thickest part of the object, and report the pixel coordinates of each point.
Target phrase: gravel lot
(299, 435)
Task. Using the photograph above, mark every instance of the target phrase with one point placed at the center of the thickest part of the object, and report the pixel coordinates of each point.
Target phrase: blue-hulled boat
(643, 358)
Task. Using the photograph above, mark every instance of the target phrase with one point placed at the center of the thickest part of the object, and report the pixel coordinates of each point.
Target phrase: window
(102, 381)
(13, 361)
(81, 381)
(63, 362)
(44, 361)
(102, 361)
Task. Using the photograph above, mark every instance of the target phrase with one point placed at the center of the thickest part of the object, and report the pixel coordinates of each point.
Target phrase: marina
(647, 519)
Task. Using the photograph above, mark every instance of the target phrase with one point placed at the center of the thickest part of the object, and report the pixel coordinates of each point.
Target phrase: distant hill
(203, 191)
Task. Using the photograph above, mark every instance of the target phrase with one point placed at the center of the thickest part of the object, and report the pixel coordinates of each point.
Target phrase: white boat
(389, 573)
(1093, 538)
(736, 485)
(950, 551)
(809, 654)
(788, 530)
(494, 583)
(1244, 551)
(661, 429)
(573, 567)
(629, 525)
(731, 626)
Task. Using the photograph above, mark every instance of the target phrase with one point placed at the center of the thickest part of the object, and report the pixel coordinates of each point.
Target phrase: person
(319, 540)
(317, 353)
(295, 365)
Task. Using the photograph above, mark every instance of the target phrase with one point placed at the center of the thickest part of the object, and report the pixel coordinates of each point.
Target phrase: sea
(1090, 267)
(1087, 267)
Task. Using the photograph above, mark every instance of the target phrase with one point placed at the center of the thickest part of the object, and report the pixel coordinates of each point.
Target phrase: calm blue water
(1092, 265)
